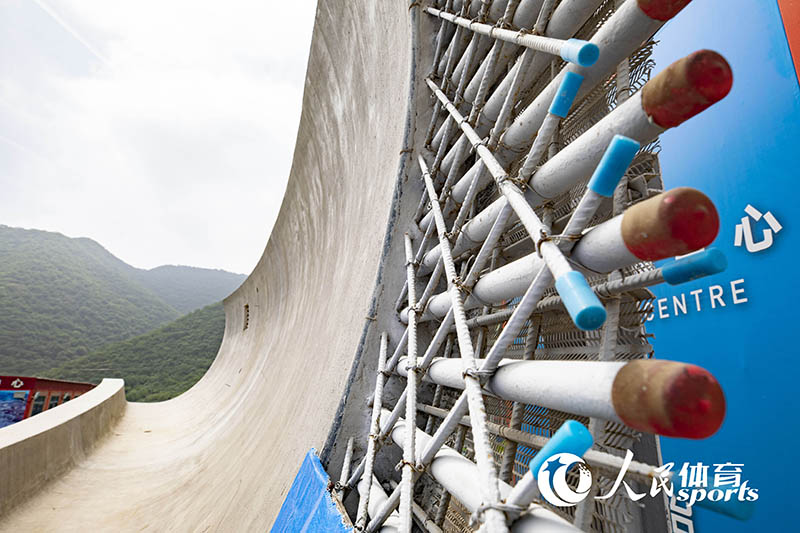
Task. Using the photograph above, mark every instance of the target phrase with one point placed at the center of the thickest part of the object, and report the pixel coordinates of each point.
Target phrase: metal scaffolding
(541, 214)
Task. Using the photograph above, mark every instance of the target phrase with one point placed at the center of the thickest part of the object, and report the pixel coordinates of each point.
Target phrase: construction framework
(527, 263)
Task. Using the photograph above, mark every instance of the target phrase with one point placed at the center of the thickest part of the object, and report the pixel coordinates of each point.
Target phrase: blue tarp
(308, 506)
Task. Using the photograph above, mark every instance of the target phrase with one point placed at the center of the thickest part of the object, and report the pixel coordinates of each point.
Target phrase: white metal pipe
(476, 50)
(571, 165)
(567, 18)
(580, 387)
(422, 518)
(578, 159)
(497, 8)
(525, 17)
(388, 423)
(573, 51)
(697, 265)
(385, 511)
(444, 29)
(541, 282)
(582, 304)
(518, 409)
(377, 499)
(458, 43)
(647, 231)
(608, 463)
(627, 29)
(462, 478)
(374, 430)
(662, 397)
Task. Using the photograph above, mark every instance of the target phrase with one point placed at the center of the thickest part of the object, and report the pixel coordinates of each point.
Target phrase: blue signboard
(742, 153)
(12, 406)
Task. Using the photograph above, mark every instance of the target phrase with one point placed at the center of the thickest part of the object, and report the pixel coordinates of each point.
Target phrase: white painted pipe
(559, 174)
(662, 397)
(627, 29)
(567, 18)
(423, 519)
(610, 464)
(377, 498)
(674, 223)
(461, 478)
(525, 17)
(571, 165)
(496, 10)
(580, 387)
(572, 50)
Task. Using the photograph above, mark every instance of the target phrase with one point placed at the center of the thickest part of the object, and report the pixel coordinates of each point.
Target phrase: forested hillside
(189, 288)
(62, 298)
(157, 365)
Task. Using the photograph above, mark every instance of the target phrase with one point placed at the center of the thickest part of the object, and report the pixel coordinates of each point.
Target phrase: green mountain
(188, 288)
(62, 298)
(157, 365)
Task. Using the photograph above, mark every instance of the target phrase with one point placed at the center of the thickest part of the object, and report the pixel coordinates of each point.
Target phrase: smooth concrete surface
(222, 456)
(37, 450)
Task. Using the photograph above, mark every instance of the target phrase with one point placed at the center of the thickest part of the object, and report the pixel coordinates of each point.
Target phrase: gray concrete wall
(222, 456)
(38, 450)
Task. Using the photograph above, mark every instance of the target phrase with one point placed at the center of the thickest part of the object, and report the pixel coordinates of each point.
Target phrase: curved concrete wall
(39, 449)
(222, 455)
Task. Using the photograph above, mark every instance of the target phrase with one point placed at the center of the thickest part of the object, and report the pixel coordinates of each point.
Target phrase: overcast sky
(163, 129)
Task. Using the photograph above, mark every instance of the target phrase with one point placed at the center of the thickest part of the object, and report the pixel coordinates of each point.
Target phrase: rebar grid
(499, 435)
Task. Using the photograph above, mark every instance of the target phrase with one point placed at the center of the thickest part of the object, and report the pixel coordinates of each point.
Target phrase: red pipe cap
(669, 398)
(676, 222)
(662, 9)
(687, 87)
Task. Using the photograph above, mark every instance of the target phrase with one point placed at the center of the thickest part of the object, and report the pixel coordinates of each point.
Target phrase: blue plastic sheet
(308, 507)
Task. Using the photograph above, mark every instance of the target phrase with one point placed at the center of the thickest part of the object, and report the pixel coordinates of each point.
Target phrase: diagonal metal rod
(572, 50)
(550, 252)
(409, 454)
(374, 430)
(495, 519)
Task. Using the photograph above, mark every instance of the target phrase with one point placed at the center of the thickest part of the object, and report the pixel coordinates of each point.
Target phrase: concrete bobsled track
(222, 456)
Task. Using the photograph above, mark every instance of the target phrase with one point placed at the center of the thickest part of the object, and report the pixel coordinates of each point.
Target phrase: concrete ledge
(36, 450)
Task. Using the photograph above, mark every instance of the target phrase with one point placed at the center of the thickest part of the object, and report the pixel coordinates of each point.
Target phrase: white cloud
(163, 130)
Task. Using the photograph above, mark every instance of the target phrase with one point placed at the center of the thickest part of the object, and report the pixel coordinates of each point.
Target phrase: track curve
(221, 456)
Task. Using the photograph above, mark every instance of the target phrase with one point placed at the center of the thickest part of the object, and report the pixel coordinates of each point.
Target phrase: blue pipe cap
(580, 300)
(565, 95)
(580, 52)
(698, 265)
(572, 437)
(616, 160)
